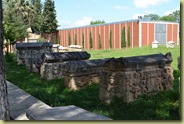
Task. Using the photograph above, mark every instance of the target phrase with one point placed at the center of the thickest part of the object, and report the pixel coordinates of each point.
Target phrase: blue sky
(73, 13)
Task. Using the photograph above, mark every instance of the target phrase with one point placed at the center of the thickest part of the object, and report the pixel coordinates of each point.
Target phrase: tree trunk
(4, 105)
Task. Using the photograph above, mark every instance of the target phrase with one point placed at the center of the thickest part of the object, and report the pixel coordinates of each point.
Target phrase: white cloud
(135, 16)
(147, 3)
(119, 7)
(149, 12)
(171, 11)
(82, 22)
(69, 24)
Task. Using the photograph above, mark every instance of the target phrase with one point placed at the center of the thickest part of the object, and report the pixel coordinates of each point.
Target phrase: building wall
(141, 34)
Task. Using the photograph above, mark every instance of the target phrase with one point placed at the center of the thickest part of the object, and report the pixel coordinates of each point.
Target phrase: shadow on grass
(161, 106)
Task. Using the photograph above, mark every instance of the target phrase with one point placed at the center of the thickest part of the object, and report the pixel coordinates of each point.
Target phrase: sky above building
(74, 13)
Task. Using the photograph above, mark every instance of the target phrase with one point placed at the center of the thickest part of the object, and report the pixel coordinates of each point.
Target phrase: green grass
(161, 106)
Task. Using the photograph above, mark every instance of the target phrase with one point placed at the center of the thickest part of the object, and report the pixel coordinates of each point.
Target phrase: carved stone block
(127, 78)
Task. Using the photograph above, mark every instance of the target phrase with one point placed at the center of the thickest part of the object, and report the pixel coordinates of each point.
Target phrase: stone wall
(30, 54)
(52, 68)
(127, 78)
(79, 74)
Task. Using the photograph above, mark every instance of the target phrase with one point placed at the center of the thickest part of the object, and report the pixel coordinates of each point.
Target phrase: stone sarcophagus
(129, 77)
(53, 63)
(30, 54)
(78, 74)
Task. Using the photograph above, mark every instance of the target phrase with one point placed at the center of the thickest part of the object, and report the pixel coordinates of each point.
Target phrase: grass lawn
(161, 106)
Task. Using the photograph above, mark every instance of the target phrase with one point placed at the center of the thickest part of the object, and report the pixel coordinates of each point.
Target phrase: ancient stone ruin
(52, 67)
(30, 54)
(129, 77)
(79, 74)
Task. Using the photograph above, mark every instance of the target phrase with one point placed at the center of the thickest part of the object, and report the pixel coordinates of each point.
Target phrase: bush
(9, 57)
(42, 39)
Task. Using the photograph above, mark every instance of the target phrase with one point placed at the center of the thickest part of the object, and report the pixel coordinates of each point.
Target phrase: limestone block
(127, 78)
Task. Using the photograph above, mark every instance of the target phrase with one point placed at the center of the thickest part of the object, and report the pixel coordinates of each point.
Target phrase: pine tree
(129, 36)
(110, 39)
(49, 23)
(83, 40)
(123, 38)
(75, 39)
(99, 42)
(90, 40)
(69, 40)
(37, 19)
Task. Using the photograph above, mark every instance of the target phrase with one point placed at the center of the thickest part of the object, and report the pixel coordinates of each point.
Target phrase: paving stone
(63, 113)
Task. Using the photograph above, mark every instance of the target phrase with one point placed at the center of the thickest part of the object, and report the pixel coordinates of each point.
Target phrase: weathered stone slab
(33, 45)
(52, 68)
(65, 56)
(63, 113)
(50, 71)
(19, 101)
(30, 54)
(79, 74)
(129, 77)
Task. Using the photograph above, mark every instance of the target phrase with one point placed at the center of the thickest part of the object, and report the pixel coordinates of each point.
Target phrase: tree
(99, 42)
(97, 22)
(69, 39)
(75, 39)
(123, 38)
(152, 17)
(49, 24)
(90, 40)
(36, 22)
(4, 104)
(83, 40)
(14, 25)
(110, 40)
(129, 36)
(174, 17)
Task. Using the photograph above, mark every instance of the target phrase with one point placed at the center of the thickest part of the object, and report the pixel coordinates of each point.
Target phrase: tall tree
(69, 40)
(49, 24)
(75, 39)
(14, 25)
(123, 38)
(110, 40)
(4, 104)
(37, 19)
(97, 22)
(90, 40)
(99, 42)
(83, 40)
(128, 36)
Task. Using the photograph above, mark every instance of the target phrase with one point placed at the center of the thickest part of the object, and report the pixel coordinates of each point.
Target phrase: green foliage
(110, 40)
(49, 23)
(123, 38)
(90, 40)
(9, 57)
(55, 40)
(69, 39)
(37, 20)
(83, 40)
(99, 42)
(97, 22)
(42, 39)
(75, 39)
(129, 36)
(174, 16)
(59, 40)
(152, 17)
